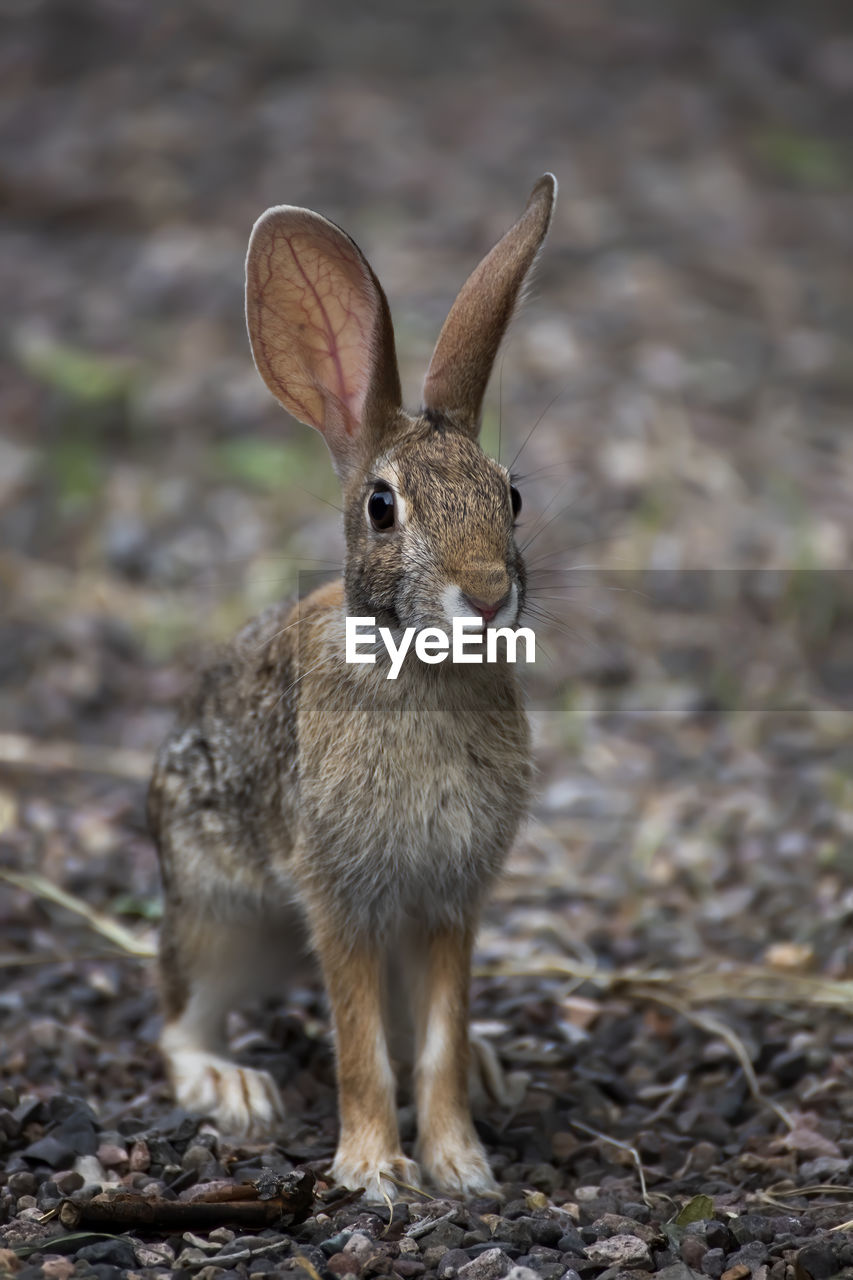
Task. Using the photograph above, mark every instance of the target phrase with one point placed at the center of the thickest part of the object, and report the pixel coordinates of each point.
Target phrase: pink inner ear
(312, 314)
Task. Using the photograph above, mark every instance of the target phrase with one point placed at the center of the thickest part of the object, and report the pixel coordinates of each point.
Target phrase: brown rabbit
(297, 785)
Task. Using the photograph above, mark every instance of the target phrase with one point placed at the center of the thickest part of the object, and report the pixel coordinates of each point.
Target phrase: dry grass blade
(390, 1204)
(39, 753)
(777, 1196)
(717, 1027)
(623, 1146)
(40, 887)
(11, 961)
(682, 992)
(814, 1189)
(407, 1186)
(760, 984)
(725, 981)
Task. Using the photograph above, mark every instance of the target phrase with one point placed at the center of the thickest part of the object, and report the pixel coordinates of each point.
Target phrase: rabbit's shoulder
(214, 758)
(235, 738)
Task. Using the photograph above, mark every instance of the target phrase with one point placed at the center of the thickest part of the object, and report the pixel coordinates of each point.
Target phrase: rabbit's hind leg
(207, 968)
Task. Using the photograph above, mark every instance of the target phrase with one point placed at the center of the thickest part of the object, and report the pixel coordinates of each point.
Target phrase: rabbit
(305, 800)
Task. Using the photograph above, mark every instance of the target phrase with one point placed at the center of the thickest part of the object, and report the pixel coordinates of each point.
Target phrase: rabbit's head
(429, 517)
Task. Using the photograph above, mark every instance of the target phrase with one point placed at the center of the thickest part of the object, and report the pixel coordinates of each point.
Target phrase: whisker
(548, 523)
(316, 667)
(521, 476)
(276, 634)
(576, 546)
(318, 498)
(541, 648)
(524, 444)
(535, 532)
(539, 595)
(574, 568)
(560, 625)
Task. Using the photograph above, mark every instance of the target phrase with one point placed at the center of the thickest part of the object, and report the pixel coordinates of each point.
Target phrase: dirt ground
(666, 970)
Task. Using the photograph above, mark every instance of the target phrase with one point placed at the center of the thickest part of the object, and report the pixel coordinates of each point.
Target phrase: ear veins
(350, 396)
(300, 407)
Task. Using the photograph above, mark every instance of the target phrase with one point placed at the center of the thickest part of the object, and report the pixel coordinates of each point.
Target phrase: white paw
(240, 1100)
(381, 1179)
(460, 1167)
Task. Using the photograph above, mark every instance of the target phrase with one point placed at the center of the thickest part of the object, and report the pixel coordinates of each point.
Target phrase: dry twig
(292, 1204)
(40, 887)
(19, 750)
(623, 1146)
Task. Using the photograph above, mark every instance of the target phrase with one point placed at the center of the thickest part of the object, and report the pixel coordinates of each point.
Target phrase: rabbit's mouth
(498, 611)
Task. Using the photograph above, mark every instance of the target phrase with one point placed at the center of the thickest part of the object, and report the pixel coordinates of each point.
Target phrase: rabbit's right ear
(473, 331)
(321, 331)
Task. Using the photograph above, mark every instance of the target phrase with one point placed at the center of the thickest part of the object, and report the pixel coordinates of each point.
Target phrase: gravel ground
(665, 971)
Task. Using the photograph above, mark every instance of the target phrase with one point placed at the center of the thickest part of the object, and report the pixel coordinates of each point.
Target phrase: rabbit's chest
(412, 808)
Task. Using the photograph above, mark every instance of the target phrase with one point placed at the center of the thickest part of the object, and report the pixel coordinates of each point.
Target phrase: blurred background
(680, 379)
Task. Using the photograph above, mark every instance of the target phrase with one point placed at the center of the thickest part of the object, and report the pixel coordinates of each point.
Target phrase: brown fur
(295, 784)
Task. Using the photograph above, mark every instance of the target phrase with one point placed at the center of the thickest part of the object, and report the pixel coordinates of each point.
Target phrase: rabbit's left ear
(321, 331)
(468, 343)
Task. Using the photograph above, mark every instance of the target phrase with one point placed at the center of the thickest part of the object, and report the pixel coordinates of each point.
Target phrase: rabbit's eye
(515, 499)
(380, 509)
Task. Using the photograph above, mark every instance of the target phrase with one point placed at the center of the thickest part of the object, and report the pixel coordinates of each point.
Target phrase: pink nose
(486, 608)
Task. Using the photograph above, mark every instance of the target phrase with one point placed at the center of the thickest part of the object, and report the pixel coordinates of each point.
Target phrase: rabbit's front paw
(457, 1166)
(240, 1100)
(380, 1178)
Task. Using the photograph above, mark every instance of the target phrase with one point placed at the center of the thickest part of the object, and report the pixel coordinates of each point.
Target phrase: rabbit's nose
(486, 608)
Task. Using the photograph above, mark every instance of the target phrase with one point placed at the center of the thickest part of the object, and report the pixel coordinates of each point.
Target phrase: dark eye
(380, 508)
(515, 499)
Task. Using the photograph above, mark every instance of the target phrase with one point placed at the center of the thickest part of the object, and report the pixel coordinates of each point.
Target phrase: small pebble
(57, 1268)
(117, 1252)
(111, 1155)
(620, 1250)
(157, 1253)
(139, 1157)
(91, 1170)
(69, 1181)
(451, 1263)
(191, 1257)
(409, 1267)
(491, 1265)
(50, 1150)
(816, 1261)
(360, 1246)
(675, 1271)
(22, 1183)
(571, 1241)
